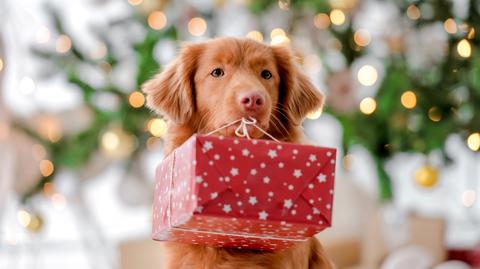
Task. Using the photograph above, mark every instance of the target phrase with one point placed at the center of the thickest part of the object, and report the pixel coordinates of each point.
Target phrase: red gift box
(234, 192)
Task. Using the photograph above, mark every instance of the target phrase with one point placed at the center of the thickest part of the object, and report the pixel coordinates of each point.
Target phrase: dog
(214, 83)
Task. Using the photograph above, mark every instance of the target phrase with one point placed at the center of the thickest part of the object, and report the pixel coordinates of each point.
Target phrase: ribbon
(242, 129)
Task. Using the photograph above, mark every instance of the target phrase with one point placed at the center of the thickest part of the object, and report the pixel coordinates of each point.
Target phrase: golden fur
(194, 101)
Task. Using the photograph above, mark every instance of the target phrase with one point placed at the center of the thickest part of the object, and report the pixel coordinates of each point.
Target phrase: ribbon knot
(242, 129)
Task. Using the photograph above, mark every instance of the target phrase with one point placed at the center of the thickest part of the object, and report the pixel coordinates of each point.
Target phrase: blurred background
(78, 148)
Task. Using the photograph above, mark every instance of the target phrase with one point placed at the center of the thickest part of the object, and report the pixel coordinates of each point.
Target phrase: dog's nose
(251, 100)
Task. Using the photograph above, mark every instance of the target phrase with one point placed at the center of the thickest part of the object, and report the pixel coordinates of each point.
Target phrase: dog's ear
(298, 96)
(172, 91)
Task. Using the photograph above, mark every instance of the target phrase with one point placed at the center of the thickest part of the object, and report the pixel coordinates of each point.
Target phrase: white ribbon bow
(242, 129)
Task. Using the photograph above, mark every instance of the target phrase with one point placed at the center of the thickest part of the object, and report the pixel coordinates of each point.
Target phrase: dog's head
(214, 83)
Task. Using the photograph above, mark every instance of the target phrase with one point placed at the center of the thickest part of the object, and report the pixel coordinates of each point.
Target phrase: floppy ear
(298, 96)
(172, 92)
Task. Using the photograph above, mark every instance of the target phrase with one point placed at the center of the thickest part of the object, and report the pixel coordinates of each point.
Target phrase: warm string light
(408, 99)
(63, 44)
(1, 64)
(278, 37)
(367, 75)
(315, 114)
(157, 20)
(464, 48)
(255, 35)
(116, 143)
(337, 17)
(135, 2)
(471, 33)
(362, 37)
(413, 12)
(46, 167)
(473, 141)
(450, 26)
(321, 21)
(368, 105)
(197, 26)
(48, 189)
(136, 99)
(157, 127)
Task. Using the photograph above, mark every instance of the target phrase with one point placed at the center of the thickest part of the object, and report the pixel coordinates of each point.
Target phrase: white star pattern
(234, 171)
(272, 153)
(213, 195)
(312, 157)
(262, 215)
(207, 145)
(287, 203)
(316, 211)
(253, 172)
(322, 178)
(297, 173)
(245, 152)
(198, 179)
(252, 200)
(227, 208)
(266, 180)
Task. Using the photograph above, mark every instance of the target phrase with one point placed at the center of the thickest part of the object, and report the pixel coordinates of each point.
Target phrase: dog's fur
(195, 101)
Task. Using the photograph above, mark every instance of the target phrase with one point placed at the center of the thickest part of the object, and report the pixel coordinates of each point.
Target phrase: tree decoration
(426, 176)
(403, 107)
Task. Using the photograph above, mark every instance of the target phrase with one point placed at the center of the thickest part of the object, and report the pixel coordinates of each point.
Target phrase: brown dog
(214, 83)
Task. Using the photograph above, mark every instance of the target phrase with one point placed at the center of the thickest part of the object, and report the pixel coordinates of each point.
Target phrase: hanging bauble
(116, 143)
(31, 221)
(426, 176)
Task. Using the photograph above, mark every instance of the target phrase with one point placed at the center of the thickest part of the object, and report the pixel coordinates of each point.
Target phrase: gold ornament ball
(426, 176)
(36, 223)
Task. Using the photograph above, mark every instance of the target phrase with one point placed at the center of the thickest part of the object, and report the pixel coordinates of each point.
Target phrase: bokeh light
(157, 20)
(464, 48)
(321, 21)
(24, 218)
(473, 141)
(367, 75)
(337, 17)
(409, 99)
(278, 37)
(413, 12)
(135, 2)
(255, 35)
(46, 168)
(362, 37)
(450, 26)
(368, 105)
(197, 26)
(1, 64)
(63, 44)
(157, 127)
(136, 99)
(315, 114)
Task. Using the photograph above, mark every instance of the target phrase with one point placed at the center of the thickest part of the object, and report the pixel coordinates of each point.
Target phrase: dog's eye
(217, 72)
(266, 74)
